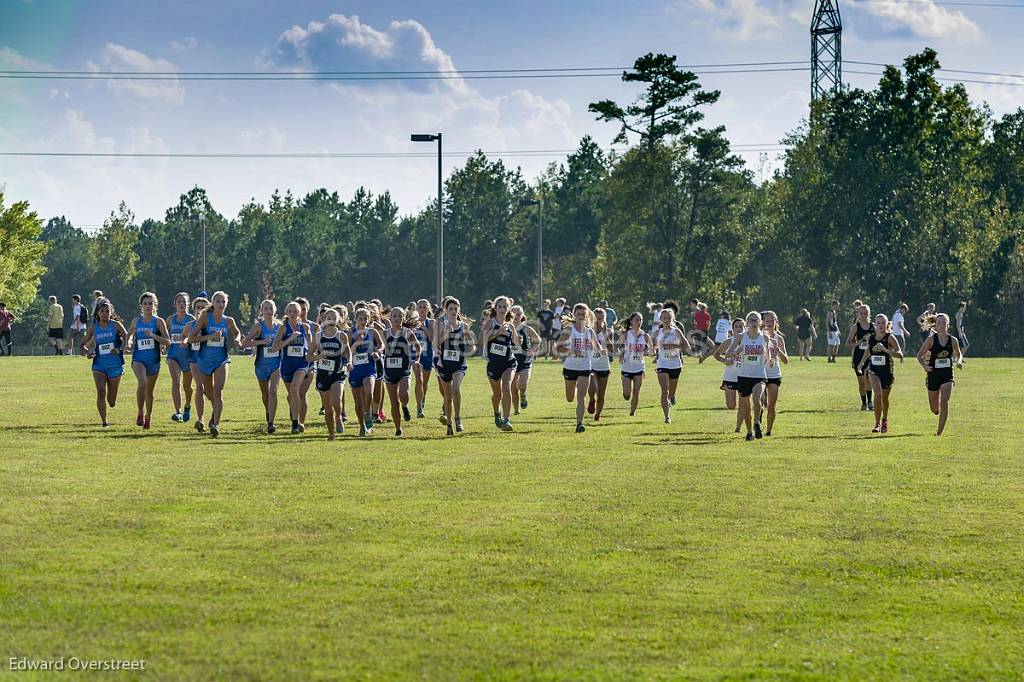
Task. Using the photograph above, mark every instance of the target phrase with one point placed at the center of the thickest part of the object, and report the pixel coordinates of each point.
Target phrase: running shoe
(398, 433)
(106, 424)
(885, 426)
(214, 430)
(767, 433)
(506, 426)
(340, 427)
(591, 406)
(302, 427)
(871, 406)
(419, 412)
(450, 431)
(187, 414)
(672, 400)
(737, 429)
(140, 420)
(668, 420)
(750, 436)
(271, 428)
(321, 411)
(443, 419)
(382, 417)
(523, 403)
(145, 424)
(497, 419)
(458, 425)
(405, 413)
(580, 428)
(176, 417)
(295, 428)
(368, 421)
(344, 417)
(863, 407)
(200, 427)
(757, 430)
(877, 429)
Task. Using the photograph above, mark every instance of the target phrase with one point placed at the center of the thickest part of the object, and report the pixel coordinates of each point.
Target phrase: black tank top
(454, 345)
(885, 362)
(524, 341)
(500, 348)
(833, 324)
(940, 359)
(333, 345)
(860, 336)
(396, 348)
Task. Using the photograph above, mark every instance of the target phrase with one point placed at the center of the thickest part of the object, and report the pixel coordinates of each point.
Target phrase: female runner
(199, 304)
(636, 345)
(310, 374)
(329, 351)
(145, 336)
(500, 342)
(750, 350)
(425, 335)
(529, 343)
(730, 375)
(364, 343)
(832, 327)
(777, 357)
(178, 357)
(454, 340)
(601, 364)
(400, 348)
(857, 340)
(109, 337)
(377, 322)
(939, 352)
(294, 337)
(669, 342)
(882, 347)
(216, 331)
(576, 346)
(268, 361)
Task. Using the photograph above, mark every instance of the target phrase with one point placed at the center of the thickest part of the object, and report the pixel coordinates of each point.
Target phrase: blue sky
(495, 115)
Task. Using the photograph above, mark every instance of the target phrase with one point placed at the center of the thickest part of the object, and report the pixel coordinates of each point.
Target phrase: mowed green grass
(637, 549)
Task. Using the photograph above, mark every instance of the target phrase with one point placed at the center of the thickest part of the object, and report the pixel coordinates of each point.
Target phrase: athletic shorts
(964, 343)
(288, 369)
(495, 370)
(776, 381)
(56, 333)
(264, 372)
(396, 374)
(426, 362)
(858, 355)
(673, 373)
(111, 372)
(731, 385)
(630, 375)
(833, 338)
(523, 364)
(326, 380)
(360, 373)
(603, 373)
(152, 368)
(934, 381)
(745, 385)
(574, 374)
(885, 377)
(208, 367)
(179, 357)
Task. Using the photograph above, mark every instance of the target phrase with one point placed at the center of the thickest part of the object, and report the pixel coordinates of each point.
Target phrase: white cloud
(739, 20)
(184, 45)
(264, 139)
(114, 57)
(924, 19)
(14, 89)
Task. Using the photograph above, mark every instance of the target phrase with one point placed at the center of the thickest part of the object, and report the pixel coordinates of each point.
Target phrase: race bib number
(670, 354)
(216, 343)
(452, 355)
(393, 363)
(753, 358)
(863, 345)
(636, 357)
(175, 338)
(105, 348)
(196, 346)
(943, 363)
(296, 351)
(326, 365)
(360, 358)
(271, 353)
(144, 344)
(499, 349)
(877, 360)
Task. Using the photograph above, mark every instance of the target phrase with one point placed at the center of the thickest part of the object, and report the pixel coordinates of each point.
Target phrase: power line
(942, 68)
(947, 80)
(943, 2)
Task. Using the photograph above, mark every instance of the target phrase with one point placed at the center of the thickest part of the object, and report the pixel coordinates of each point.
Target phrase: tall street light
(539, 203)
(440, 220)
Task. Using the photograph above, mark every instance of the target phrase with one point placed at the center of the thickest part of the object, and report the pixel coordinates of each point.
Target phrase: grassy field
(637, 549)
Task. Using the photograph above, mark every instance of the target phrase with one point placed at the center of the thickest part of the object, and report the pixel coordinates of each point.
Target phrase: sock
(869, 396)
(295, 423)
(863, 400)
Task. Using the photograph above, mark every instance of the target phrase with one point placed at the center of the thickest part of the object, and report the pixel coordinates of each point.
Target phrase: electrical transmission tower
(826, 49)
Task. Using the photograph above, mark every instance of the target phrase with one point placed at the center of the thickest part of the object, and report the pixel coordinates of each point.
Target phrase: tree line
(906, 192)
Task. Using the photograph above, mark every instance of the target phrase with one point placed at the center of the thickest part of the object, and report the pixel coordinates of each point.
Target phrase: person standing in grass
(79, 323)
(6, 324)
(636, 344)
(545, 322)
(961, 327)
(108, 338)
(805, 333)
(146, 335)
(609, 313)
(55, 325)
(198, 306)
(750, 350)
(899, 327)
(832, 329)
(857, 340)
(939, 353)
(925, 320)
(730, 375)
(425, 365)
(576, 346)
(882, 347)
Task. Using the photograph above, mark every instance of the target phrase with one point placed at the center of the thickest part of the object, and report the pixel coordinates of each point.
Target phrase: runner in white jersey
(669, 343)
(576, 347)
(635, 344)
(750, 350)
(730, 375)
(773, 370)
(600, 363)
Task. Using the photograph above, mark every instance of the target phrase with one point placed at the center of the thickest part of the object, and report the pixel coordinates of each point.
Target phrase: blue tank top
(106, 343)
(215, 349)
(177, 329)
(362, 347)
(288, 349)
(146, 348)
(264, 357)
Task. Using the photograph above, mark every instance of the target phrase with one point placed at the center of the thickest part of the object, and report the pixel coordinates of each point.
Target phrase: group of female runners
(377, 349)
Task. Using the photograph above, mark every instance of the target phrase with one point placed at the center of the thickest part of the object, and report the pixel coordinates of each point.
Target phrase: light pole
(204, 254)
(539, 203)
(440, 219)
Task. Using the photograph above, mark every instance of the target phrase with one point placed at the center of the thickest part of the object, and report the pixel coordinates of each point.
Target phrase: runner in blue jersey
(425, 362)
(268, 361)
(199, 304)
(216, 332)
(365, 344)
(146, 334)
(108, 337)
(178, 357)
(401, 348)
(329, 351)
(292, 342)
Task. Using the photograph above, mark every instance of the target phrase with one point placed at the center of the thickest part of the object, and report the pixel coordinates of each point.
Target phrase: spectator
(6, 322)
(805, 333)
(79, 323)
(545, 320)
(55, 326)
(609, 314)
(96, 297)
(702, 330)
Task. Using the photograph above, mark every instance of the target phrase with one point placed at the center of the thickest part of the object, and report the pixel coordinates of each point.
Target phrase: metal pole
(540, 257)
(440, 228)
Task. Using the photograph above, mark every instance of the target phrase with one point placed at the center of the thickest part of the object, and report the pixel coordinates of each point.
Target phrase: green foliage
(21, 254)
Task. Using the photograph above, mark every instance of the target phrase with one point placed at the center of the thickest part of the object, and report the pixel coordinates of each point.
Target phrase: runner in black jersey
(857, 340)
(400, 347)
(877, 361)
(530, 343)
(329, 351)
(453, 340)
(939, 352)
(500, 345)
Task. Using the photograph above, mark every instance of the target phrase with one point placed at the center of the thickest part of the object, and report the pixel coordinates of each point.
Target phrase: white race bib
(499, 349)
(144, 344)
(393, 363)
(196, 346)
(636, 357)
(296, 351)
(360, 358)
(943, 363)
(452, 355)
(863, 345)
(105, 348)
(175, 338)
(753, 358)
(670, 354)
(877, 360)
(216, 343)
(326, 365)
(267, 353)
